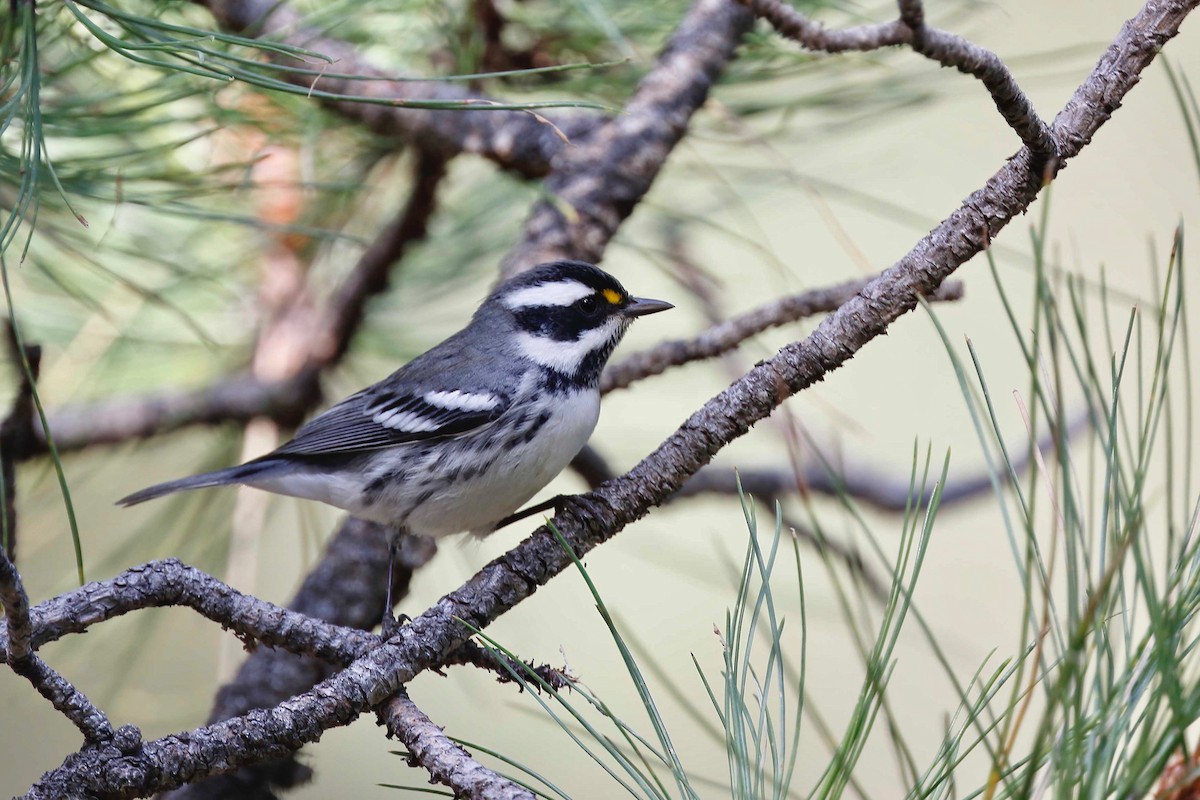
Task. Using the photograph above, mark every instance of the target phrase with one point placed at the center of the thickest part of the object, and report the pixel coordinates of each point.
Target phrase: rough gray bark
(603, 176)
(448, 763)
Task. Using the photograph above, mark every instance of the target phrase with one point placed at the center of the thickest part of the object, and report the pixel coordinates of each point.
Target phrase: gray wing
(383, 416)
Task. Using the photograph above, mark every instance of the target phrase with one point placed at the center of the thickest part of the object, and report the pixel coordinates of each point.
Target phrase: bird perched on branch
(464, 434)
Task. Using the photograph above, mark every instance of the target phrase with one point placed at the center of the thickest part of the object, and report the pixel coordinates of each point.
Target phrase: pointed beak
(641, 306)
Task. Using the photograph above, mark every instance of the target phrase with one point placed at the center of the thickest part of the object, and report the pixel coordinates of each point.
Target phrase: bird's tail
(221, 477)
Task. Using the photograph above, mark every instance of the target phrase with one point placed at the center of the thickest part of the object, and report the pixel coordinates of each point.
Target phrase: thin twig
(506, 669)
(946, 48)
(18, 650)
(812, 35)
(448, 763)
(18, 642)
(725, 336)
(864, 484)
(345, 312)
(66, 699)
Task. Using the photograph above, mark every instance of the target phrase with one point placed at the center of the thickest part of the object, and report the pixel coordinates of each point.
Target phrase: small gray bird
(467, 432)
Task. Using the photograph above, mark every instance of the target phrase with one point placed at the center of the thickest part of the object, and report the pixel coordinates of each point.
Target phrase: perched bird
(467, 432)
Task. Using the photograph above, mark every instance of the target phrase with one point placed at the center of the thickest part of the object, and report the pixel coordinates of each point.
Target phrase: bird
(464, 434)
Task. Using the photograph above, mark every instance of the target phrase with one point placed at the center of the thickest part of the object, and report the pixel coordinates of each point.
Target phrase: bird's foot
(587, 508)
(392, 624)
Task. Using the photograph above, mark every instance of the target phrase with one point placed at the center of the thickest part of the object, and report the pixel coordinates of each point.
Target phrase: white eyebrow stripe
(462, 401)
(556, 293)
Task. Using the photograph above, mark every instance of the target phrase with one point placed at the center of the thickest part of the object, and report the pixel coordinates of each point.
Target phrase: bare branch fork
(372, 679)
(448, 763)
(945, 48)
(19, 653)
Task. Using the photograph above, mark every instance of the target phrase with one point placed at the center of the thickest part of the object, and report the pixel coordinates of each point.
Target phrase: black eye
(589, 305)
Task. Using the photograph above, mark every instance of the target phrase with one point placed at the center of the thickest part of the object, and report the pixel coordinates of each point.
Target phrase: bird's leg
(390, 623)
(525, 513)
(584, 505)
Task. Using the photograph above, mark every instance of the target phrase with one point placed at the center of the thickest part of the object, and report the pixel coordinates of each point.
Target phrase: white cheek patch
(556, 293)
(462, 401)
(567, 357)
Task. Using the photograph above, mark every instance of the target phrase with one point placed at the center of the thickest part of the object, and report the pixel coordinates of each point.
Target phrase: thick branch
(346, 589)
(172, 583)
(597, 183)
(515, 140)
(448, 763)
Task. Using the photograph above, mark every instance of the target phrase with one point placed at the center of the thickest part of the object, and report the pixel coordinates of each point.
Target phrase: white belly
(476, 504)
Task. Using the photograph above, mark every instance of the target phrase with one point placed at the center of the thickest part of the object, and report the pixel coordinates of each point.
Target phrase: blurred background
(801, 171)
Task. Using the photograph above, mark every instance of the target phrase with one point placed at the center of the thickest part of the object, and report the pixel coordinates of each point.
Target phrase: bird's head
(569, 315)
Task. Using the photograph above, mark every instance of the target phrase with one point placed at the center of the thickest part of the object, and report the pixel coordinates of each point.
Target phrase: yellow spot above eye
(612, 296)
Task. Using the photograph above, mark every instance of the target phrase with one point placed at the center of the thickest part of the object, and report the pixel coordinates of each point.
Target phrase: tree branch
(515, 140)
(726, 336)
(507, 670)
(864, 484)
(18, 641)
(941, 46)
(18, 649)
(170, 582)
(597, 183)
(346, 589)
(448, 763)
